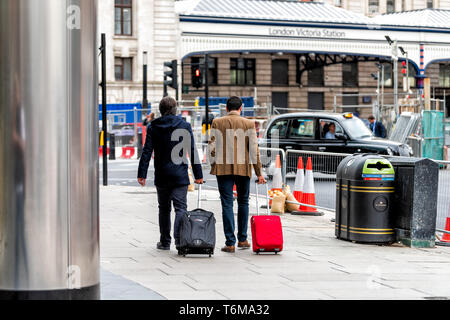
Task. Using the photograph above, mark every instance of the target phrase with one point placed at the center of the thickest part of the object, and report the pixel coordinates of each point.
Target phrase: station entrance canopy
(218, 26)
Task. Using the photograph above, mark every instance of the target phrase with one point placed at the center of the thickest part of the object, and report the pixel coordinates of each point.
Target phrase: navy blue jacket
(379, 131)
(170, 171)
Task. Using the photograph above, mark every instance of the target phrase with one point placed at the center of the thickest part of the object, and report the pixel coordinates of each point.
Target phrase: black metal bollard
(112, 147)
(140, 146)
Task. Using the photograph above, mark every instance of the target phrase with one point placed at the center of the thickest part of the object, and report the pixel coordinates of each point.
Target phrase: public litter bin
(364, 193)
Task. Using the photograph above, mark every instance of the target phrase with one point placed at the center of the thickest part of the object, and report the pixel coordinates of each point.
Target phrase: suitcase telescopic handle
(199, 198)
(267, 198)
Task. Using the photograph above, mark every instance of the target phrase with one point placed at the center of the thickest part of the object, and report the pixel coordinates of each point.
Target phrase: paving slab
(313, 265)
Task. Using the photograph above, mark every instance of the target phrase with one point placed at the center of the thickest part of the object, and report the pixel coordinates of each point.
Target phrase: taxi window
(279, 127)
(328, 129)
(302, 128)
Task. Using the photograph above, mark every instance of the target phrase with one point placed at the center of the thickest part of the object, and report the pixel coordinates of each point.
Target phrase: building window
(444, 75)
(315, 77)
(122, 17)
(212, 68)
(315, 101)
(390, 6)
(350, 74)
(373, 6)
(280, 72)
(242, 71)
(123, 69)
(430, 4)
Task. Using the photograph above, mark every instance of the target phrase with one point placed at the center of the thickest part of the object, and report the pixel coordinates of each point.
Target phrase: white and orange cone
(309, 194)
(277, 180)
(299, 181)
(446, 237)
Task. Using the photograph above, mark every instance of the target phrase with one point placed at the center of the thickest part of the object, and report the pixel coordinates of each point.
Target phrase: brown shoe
(229, 249)
(244, 244)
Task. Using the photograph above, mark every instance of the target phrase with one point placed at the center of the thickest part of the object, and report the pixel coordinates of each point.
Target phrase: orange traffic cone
(277, 180)
(299, 180)
(446, 236)
(309, 194)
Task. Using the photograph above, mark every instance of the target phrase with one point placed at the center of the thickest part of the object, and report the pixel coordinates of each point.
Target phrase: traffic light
(197, 76)
(404, 68)
(172, 73)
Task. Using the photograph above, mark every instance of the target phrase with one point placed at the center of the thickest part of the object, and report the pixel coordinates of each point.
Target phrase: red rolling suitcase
(267, 233)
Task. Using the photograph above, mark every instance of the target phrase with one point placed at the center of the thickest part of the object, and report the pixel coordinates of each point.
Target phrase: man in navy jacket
(377, 127)
(171, 138)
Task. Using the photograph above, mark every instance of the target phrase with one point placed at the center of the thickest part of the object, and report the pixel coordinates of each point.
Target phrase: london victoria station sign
(306, 32)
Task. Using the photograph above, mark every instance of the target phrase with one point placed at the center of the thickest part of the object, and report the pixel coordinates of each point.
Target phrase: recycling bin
(364, 198)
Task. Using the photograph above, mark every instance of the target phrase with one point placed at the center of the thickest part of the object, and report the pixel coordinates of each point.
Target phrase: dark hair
(167, 106)
(371, 117)
(234, 103)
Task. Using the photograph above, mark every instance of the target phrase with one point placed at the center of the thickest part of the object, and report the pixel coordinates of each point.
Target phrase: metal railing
(268, 158)
(443, 202)
(324, 165)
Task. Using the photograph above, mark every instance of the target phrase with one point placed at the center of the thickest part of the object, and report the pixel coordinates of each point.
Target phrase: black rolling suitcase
(197, 231)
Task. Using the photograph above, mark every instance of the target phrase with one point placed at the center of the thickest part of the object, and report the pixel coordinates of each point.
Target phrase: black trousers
(167, 196)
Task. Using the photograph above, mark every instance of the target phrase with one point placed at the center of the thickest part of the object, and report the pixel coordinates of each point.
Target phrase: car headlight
(389, 151)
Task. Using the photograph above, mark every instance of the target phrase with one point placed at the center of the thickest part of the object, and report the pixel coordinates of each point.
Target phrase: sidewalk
(313, 264)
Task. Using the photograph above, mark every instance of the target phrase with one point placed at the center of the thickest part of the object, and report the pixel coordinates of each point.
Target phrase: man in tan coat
(234, 152)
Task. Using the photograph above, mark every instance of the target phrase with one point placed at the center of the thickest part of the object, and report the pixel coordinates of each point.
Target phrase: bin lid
(366, 167)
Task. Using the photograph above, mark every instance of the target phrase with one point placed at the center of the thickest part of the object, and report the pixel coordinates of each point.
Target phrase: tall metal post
(165, 87)
(104, 111)
(377, 115)
(207, 96)
(144, 82)
(407, 73)
(49, 182)
(395, 66)
(382, 87)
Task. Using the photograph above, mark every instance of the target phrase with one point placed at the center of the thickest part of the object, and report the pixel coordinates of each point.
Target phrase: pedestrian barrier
(268, 160)
(324, 175)
(128, 152)
(443, 205)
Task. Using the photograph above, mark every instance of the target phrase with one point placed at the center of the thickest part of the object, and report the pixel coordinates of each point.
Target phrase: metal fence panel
(268, 158)
(324, 165)
(443, 205)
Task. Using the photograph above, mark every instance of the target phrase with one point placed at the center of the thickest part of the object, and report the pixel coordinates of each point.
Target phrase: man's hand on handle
(199, 181)
(261, 180)
(141, 181)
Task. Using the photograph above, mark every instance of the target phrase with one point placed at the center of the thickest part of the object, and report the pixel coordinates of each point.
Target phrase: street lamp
(394, 46)
(389, 40)
(144, 89)
(377, 77)
(380, 67)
